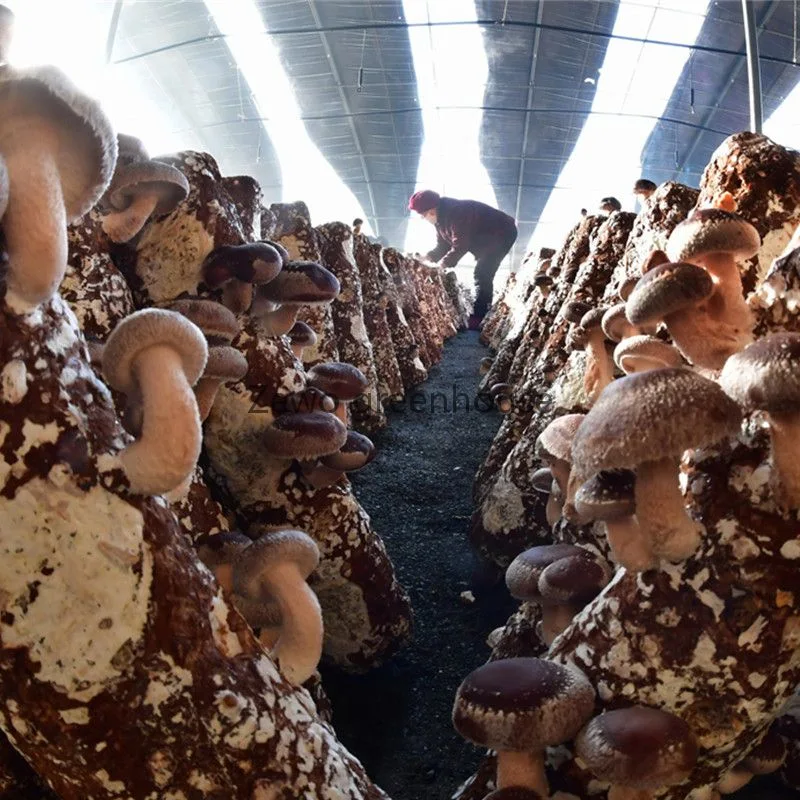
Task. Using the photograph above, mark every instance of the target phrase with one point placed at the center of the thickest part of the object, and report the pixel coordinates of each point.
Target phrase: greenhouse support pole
(753, 69)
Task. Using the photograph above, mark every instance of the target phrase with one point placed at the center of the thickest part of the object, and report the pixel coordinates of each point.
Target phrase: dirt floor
(396, 720)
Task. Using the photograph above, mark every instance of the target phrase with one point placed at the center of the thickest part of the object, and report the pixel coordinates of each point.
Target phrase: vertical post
(753, 68)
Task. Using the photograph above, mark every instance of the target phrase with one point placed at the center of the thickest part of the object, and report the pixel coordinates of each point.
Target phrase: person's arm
(442, 247)
(453, 256)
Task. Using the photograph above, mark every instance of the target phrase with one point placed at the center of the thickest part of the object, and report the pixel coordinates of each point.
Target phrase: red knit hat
(423, 201)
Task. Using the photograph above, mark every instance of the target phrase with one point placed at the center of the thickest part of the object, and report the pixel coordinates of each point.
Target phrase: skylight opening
(74, 40)
(636, 78)
(783, 125)
(451, 71)
(306, 174)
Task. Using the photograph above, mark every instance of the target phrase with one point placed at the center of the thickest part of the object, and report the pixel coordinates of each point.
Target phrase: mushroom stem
(630, 546)
(319, 476)
(299, 646)
(733, 780)
(522, 769)
(205, 392)
(600, 368)
(555, 505)
(168, 448)
(237, 295)
(123, 224)
(728, 303)
(661, 511)
(35, 222)
(555, 619)
(279, 321)
(703, 340)
(784, 430)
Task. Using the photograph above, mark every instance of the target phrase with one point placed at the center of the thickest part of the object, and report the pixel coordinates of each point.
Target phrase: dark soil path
(396, 720)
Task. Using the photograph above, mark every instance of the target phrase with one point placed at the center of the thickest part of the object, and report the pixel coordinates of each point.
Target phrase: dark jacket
(467, 226)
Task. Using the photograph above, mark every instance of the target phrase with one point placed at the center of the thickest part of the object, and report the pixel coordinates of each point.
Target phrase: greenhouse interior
(410, 263)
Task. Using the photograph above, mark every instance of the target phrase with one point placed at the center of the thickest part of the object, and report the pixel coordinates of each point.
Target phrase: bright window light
(783, 125)
(451, 70)
(306, 174)
(636, 78)
(74, 39)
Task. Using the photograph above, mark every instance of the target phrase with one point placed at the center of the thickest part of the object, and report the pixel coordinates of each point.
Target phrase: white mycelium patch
(169, 255)
(503, 508)
(71, 596)
(226, 640)
(772, 245)
(13, 382)
(171, 682)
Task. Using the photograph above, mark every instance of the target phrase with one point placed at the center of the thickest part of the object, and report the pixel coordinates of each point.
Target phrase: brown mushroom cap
(338, 380)
(650, 416)
(252, 262)
(218, 323)
(546, 252)
(573, 310)
(130, 149)
(302, 334)
(542, 279)
(271, 548)
(146, 328)
(225, 364)
(655, 258)
(523, 573)
(713, 230)
(644, 186)
(522, 704)
(87, 148)
(574, 580)
(667, 289)
(305, 435)
(354, 454)
(219, 551)
(152, 177)
(593, 318)
(766, 374)
(301, 283)
(638, 747)
(767, 756)
(637, 353)
(608, 495)
(614, 322)
(555, 440)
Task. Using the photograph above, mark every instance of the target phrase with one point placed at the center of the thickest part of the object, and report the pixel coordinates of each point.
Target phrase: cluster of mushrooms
(182, 370)
(641, 498)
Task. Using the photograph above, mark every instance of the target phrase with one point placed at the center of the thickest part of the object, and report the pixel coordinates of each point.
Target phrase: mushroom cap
(165, 181)
(87, 148)
(643, 185)
(219, 324)
(638, 747)
(655, 258)
(614, 322)
(271, 549)
(767, 756)
(546, 252)
(522, 704)
(305, 435)
(765, 375)
(577, 338)
(523, 573)
(542, 279)
(221, 548)
(357, 451)
(147, 328)
(130, 149)
(607, 495)
(302, 334)
(647, 348)
(575, 579)
(500, 389)
(555, 441)
(282, 251)
(542, 480)
(667, 289)
(627, 286)
(302, 283)
(252, 262)
(649, 416)
(338, 380)
(573, 310)
(553, 271)
(593, 318)
(225, 363)
(713, 230)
